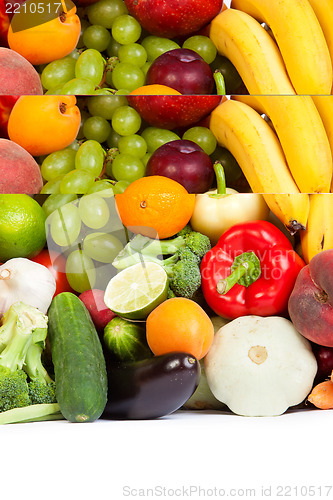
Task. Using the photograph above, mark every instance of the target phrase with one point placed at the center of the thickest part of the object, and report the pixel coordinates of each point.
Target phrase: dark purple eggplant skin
(151, 388)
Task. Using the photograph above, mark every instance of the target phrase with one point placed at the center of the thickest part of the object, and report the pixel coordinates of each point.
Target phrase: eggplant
(150, 388)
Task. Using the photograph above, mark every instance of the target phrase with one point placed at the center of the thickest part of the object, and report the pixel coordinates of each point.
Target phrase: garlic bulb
(24, 280)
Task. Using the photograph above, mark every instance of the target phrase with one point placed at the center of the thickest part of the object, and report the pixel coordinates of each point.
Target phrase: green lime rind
(126, 340)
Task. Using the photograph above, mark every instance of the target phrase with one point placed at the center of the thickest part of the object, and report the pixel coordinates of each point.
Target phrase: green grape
(105, 106)
(134, 145)
(156, 137)
(65, 225)
(146, 67)
(58, 72)
(203, 46)
(113, 139)
(55, 91)
(156, 46)
(78, 86)
(52, 187)
(74, 145)
(122, 92)
(104, 91)
(133, 53)
(120, 186)
(103, 187)
(84, 25)
(126, 29)
(126, 121)
(113, 48)
(55, 201)
(94, 211)
(90, 157)
(108, 79)
(75, 54)
(96, 37)
(90, 65)
(84, 116)
(96, 128)
(80, 271)
(203, 137)
(58, 163)
(102, 247)
(76, 181)
(127, 167)
(127, 76)
(146, 158)
(104, 12)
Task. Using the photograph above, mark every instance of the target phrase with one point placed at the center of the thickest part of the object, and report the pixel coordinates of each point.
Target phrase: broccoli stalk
(180, 257)
(23, 333)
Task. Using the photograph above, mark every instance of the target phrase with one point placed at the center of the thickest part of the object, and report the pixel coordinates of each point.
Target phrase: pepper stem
(245, 271)
(220, 178)
(219, 82)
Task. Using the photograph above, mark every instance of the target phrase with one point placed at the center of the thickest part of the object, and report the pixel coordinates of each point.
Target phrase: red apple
(172, 18)
(183, 70)
(99, 312)
(185, 162)
(311, 301)
(173, 111)
(6, 105)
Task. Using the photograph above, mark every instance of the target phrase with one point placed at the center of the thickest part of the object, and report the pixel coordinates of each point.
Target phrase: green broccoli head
(14, 392)
(41, 393)
(185, 279)
(198, 243)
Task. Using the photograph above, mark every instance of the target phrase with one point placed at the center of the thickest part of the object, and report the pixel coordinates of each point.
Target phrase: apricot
(17, 75)
(19, 172)
(43, 124)
(47, 41)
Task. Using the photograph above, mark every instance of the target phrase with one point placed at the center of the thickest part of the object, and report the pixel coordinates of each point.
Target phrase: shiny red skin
(185, 162)
(17, 75)
(173, 111)
(56, 263)
(6, 14)
(6, 105)
(183, 70)
(324, 357)
(172, 18)
(100, 314)
(311, 302)
(280, 266)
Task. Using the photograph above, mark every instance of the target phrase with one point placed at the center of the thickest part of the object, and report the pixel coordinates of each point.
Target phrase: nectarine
(17, 75)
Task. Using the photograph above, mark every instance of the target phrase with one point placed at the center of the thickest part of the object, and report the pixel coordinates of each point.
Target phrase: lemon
(135, 291)
(22, 226)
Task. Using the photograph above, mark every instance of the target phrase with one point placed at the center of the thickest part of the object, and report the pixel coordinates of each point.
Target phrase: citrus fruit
(134, 292)
(22, 226)
(155, 206)
(179, 324)
(155, 89)
(126, 340)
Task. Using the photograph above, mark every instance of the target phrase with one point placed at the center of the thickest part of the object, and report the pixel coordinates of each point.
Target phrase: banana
(324, 12)
(300, 39)
(305, 133)
(318, 235)
(256, 148)
(252, 51)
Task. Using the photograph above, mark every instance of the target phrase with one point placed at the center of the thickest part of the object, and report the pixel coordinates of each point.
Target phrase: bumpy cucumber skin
(77, 355)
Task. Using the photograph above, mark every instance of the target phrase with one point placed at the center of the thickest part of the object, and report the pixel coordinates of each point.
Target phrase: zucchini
(77, 355)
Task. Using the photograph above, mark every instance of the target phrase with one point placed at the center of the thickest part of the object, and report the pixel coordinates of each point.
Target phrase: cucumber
(77, 355)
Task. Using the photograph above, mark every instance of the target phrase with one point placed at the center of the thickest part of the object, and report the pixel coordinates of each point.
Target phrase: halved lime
(135, 291)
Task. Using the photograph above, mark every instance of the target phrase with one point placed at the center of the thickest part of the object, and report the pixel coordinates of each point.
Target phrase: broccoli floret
(198, 243)
(185, 279)
(14, 391)
(20, 359)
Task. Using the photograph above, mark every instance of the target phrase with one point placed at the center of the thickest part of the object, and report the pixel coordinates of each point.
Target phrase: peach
(17, 75)
(19, 172)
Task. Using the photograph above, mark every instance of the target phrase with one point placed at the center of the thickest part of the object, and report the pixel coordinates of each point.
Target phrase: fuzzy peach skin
(17, 75)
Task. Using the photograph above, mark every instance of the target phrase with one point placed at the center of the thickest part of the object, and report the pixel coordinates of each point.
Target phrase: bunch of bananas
(281, 134)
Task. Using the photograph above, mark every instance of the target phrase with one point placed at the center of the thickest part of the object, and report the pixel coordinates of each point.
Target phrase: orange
(46, 41)
(181, 325)
(155, 89)
(43, 124)
(155, 206)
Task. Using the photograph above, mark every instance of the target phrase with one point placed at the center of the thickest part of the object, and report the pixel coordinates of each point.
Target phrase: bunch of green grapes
(113, 55)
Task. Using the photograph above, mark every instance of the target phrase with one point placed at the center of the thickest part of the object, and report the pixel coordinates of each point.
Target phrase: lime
(135, 291)
(22, 226)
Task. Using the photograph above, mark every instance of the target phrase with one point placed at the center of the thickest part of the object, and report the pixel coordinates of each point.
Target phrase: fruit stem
(245, 271)
(220, 180)
(219, 82)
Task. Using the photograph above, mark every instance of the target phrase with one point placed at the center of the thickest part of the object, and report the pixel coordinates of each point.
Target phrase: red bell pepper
(251, 270)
